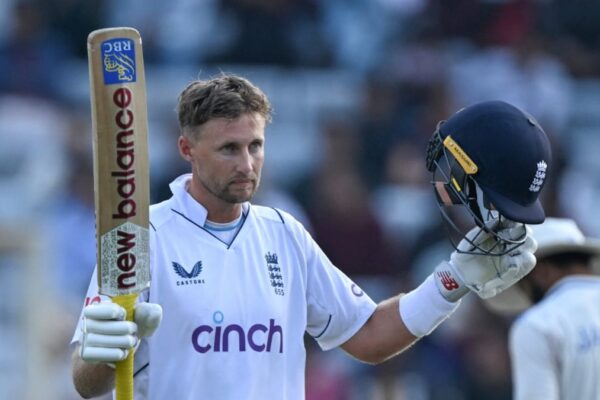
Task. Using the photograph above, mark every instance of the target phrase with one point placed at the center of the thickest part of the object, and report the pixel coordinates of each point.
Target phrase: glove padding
(108, 337)
(484, 274)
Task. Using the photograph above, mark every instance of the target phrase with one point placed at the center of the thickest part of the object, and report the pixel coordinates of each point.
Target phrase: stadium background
(357, 86)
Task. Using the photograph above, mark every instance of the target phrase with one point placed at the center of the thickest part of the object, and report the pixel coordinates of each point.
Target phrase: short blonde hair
(226, 96)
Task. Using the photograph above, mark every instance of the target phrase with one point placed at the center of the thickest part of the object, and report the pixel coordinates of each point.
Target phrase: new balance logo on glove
(447, 281)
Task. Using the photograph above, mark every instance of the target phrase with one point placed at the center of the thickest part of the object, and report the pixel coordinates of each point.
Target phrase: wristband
(424, 308)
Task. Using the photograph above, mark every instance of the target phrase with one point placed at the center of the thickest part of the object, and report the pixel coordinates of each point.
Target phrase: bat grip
(124, 369)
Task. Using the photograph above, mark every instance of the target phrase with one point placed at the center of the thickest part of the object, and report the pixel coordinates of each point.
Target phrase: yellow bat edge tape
(124, 369)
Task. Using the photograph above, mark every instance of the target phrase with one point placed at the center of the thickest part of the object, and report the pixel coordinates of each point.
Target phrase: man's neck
(223, 214)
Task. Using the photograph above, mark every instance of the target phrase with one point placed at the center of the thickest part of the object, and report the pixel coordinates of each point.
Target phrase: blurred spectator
(486, 23)
(72, 20)
(578, 192)
(572, 34)
(524, 75)
(382, 120)
(404, 203)
(326, 377)
(401, 108)
(32, 157)
(6, 20)
(30, 53)
(277, 32)
(344, 225)
(71, 222)
(359, 31)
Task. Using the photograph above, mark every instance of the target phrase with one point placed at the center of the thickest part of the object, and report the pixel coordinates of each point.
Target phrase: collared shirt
(555, 345)
(235, 314)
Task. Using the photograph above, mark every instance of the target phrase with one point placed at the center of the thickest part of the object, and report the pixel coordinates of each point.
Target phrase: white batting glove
(108, 337)
(484, 274)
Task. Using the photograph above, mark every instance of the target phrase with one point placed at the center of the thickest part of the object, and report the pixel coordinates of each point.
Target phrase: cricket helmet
(490, 159)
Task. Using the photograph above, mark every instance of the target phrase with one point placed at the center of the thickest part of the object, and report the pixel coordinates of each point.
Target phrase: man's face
(227, 158)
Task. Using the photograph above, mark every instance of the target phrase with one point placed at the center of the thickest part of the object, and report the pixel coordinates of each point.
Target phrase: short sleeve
(337, 306)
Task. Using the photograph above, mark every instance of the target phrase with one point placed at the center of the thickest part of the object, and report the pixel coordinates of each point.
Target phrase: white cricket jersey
(555, 345)
(234, 315)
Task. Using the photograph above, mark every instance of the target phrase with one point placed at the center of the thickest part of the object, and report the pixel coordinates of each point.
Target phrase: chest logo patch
(189, 278)
(275, 273)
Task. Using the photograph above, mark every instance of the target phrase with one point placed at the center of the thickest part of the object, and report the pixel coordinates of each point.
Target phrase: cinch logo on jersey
(224, 338)
(275, 273)
(190, 278)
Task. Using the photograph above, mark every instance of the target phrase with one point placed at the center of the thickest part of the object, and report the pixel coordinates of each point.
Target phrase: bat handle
(124, 369)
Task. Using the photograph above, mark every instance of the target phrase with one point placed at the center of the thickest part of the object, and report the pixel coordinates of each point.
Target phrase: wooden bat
(121, 176)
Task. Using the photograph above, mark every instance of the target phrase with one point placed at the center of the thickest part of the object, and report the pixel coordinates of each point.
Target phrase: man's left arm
(387, 328)
(398, 322)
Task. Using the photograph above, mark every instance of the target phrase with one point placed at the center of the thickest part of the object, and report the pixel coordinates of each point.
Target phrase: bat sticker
(118, 58)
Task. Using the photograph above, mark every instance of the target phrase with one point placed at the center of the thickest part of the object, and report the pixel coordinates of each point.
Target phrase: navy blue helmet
(491, 158)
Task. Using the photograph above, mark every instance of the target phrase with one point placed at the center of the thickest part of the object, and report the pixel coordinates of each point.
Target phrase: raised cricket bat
(121, 176)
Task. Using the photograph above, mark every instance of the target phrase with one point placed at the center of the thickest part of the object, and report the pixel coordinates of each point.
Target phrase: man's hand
(483, 274)
(108, 337)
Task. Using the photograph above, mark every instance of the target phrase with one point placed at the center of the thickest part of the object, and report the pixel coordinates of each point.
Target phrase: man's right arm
(107, 338)
(91, 379)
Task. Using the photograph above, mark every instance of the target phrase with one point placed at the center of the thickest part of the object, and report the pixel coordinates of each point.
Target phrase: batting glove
(484, 274)
(108, 337)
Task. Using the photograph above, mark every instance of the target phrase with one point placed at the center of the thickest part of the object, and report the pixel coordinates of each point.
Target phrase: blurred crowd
(358, 87)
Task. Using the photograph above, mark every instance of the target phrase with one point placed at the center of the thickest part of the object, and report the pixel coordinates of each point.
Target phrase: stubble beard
(224, 192)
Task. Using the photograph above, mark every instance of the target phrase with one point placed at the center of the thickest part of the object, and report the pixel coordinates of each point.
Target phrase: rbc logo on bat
(118, 59)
